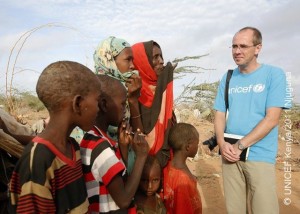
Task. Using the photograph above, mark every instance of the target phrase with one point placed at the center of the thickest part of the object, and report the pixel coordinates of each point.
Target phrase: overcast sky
(182, 28)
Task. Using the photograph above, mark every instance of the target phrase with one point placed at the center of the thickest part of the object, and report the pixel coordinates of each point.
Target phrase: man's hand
(230, 153)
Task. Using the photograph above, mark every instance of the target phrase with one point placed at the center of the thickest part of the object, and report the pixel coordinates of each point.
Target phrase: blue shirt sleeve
(277, 90)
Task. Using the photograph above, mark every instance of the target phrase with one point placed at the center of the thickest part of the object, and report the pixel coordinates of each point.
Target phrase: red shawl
(156, 100)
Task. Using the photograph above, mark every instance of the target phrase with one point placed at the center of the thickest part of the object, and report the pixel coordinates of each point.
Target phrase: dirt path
(209, 175)
(207, 168)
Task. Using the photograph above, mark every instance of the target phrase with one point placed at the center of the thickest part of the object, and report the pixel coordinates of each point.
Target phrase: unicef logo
(258, 88)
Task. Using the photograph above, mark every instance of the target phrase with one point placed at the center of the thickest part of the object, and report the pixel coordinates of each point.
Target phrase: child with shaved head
(180, 185)
(48, 177)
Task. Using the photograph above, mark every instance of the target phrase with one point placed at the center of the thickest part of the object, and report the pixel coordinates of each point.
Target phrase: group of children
(56, 175)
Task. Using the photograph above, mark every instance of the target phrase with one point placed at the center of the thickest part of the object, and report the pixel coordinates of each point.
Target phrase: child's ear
(187, 146)
(102, 105)
(76, 104)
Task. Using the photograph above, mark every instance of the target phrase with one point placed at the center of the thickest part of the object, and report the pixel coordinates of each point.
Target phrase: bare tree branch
(21, 41)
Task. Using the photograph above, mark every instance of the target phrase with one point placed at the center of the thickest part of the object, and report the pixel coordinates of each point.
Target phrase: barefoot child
(102, 165)
(147, 198)
(180, 186)
(48, 177)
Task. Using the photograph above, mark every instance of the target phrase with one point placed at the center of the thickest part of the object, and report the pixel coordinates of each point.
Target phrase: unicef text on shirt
(258, 88)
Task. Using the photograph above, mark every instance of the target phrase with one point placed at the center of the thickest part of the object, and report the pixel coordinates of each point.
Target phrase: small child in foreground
(147, 198)
(180, 185)
(48, 177)
(103, 167)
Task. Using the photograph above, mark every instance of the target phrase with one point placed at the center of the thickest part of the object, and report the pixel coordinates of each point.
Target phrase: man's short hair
(257, 37)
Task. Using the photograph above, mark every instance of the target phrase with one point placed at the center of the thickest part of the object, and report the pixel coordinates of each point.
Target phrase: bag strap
(228, 77)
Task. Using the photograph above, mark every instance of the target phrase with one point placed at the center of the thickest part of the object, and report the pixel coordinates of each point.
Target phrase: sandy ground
(207, 168)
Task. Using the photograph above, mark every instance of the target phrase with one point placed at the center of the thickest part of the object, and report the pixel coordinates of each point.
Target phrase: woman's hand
(134, 85)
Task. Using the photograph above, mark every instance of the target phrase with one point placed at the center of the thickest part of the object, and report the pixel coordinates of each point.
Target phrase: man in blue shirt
(256, 97)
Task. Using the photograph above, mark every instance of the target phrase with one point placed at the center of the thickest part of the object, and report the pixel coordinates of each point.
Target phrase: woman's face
(124, 60)
(157, 60)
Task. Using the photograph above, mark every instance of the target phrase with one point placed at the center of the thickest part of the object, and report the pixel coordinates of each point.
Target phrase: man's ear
(76, 104)
(258, 49)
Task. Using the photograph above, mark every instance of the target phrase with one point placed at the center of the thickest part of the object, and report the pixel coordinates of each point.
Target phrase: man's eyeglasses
(241, 47)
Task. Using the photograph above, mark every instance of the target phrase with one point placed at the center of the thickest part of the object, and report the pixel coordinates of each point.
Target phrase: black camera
(211, 143)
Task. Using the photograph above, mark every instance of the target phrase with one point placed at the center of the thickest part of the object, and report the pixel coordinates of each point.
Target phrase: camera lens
(211, 143)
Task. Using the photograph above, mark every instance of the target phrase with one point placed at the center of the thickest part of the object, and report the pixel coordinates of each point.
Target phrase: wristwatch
(240, 145)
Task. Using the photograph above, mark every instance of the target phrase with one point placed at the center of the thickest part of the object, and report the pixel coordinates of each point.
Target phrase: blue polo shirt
(250, 95)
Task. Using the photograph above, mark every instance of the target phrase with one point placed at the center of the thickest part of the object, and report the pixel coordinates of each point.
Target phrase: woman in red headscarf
(156, 99)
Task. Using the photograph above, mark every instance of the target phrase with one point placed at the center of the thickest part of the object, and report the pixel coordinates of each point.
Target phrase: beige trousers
(250, 187)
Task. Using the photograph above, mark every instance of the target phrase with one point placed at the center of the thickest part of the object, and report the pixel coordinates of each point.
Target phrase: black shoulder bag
(212, 142)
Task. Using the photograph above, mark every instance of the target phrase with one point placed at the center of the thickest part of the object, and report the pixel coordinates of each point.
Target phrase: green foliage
(186, 69)
(199, 97)
(32, 101)
(207, 87)
(23, 100)
(176, 60)
(180, 72)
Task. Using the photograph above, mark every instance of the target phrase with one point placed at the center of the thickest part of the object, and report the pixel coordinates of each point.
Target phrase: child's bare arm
(123, 193)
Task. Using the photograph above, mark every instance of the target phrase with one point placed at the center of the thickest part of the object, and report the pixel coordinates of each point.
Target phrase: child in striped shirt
(103, 167)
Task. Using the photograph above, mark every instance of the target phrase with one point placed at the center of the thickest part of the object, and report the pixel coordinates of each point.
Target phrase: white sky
(181, 27)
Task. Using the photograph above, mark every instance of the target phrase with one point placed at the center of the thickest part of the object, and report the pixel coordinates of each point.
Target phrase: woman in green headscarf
(114, 57)
(108, 58)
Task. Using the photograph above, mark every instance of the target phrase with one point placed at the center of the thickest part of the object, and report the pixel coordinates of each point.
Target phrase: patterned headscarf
(104, 56)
